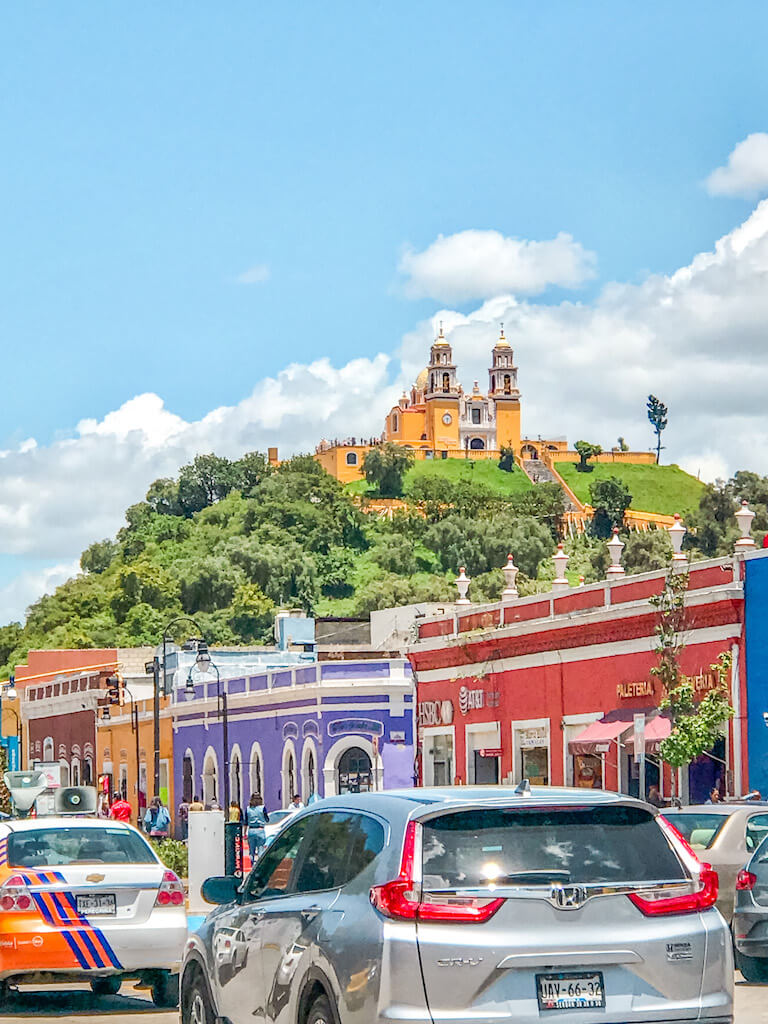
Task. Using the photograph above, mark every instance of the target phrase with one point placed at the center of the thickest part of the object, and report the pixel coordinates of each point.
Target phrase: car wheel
(753, 968)
(320, 1012)
(165, 990)
(106, 986)
(195, 1006)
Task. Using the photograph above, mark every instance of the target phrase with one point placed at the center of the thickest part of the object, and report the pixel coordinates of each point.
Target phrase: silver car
(750, 917)
(440, 906)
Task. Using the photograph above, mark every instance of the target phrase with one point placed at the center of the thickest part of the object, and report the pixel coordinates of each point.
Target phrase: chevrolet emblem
(94, 878)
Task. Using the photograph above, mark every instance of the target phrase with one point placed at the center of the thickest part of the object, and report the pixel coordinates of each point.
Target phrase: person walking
(120, 810)
(157, 820)
(235, 814)
(256, 818)
(183, 820)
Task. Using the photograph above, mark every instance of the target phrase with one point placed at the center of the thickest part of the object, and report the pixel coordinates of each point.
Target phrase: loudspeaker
(75, 800)
(25, 788)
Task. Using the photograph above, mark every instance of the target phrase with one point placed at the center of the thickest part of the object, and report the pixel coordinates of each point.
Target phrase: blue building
(756, 665)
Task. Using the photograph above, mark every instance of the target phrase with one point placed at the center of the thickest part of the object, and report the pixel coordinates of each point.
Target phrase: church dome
(502, 342)
(421, 380)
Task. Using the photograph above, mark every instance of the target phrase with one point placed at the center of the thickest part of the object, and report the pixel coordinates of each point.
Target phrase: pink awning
(656, 730)
(598, 736)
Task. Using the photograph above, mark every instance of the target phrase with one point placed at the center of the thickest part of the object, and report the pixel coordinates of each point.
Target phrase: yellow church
(439, 420)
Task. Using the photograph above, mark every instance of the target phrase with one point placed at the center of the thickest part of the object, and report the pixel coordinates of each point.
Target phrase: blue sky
(154, 155)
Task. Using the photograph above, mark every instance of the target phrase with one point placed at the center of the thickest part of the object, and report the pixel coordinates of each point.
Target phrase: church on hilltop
(439, 420)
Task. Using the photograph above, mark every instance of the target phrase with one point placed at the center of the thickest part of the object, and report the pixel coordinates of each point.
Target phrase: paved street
(78, 1005)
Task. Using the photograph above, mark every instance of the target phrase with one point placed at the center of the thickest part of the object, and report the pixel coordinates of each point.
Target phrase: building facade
(548, 687)
(315, 730)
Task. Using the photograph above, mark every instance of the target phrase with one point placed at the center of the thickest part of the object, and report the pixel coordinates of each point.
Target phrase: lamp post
(204, 664)
(153, 669)
(106, 715)
(11, 693)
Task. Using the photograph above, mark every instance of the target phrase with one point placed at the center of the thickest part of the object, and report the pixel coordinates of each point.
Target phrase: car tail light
(402, 898)
(171, 891)
(15, 896)
(656, 903)
(745, 880)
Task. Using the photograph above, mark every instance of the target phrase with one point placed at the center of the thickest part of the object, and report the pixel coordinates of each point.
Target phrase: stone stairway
(539, 473)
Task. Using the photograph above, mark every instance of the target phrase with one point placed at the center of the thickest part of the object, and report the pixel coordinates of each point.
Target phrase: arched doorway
(235, 777)
(308, 771)
(477, 444)
(354, 774)
(288, 774)
(257, 780)
(210, 778)
(188, 777)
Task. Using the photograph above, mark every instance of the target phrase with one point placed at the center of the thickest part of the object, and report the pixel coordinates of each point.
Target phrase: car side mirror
(221, 889)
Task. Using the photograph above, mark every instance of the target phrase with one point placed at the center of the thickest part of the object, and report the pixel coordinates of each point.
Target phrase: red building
(547, 687)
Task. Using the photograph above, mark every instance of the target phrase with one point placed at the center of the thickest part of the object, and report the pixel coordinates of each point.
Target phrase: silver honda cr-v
(456, 905)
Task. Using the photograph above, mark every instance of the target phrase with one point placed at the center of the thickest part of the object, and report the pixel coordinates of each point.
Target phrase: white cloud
(27, 587)
(254, 275)
(480, 264)
(746, 173)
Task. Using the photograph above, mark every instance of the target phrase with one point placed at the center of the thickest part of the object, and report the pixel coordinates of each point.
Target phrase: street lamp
(11, 693)
(204, 665)
(106, 716)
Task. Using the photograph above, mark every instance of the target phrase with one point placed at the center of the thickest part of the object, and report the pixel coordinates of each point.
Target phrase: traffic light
(114, 690)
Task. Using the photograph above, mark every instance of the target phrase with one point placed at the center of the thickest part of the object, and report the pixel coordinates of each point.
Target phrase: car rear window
(700, 829)
(546, 846)
(48, 847)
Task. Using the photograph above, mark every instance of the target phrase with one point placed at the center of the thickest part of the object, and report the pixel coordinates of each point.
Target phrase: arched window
(75, 771)
(507, 384)
(395, 422)
(210, 778)
(88, 771)
(351, 458)
(446, 382)
(188, 777)
(235, 777)
(493, 382)
(308, 771)
(354, 771)
(256, 770)
(431, 382)
(48, 748)
(477, 444)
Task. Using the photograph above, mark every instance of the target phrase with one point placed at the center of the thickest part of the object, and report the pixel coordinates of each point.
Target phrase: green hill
(480, 471)
(661, 489)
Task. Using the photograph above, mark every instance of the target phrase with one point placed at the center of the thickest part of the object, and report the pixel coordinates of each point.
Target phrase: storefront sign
(490, 752)
(528, 738)
(471, 700)
(644, 688)
(435, 712)
(705, 681)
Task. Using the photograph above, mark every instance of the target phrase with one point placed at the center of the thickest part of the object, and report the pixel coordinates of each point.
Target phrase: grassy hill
(484, 471)
(662, 489)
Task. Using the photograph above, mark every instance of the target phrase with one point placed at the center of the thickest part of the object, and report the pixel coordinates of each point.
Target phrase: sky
(224, 227)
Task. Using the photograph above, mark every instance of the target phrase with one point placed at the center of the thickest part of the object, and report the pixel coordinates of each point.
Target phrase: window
(272, 873)
(352, 457)
(446, 382)
(394, 422)
(355, 773)
(757, 830)
(700, 830)
(48, 748)
(476, 444)
(62, 845)
(340, 848)
(574, 845)
(476, 414)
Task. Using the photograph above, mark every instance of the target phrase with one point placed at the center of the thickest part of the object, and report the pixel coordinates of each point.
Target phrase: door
(339, 846)
(486, 769)
(237, 937)
(355, 774)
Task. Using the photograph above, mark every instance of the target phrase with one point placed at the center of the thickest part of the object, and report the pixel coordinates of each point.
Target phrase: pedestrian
(655, 797)
(235, 814)
(120, 810)
(256, 818)
(157, 820)
(296, 804)
(197, 804)
(714, 796)
(183, 818)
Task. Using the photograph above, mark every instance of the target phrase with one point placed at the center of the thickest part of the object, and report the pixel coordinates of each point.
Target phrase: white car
(277, 821)
(83, 899)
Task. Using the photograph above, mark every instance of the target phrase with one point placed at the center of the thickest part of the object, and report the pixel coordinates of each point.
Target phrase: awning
(598, 736)
(656, 730)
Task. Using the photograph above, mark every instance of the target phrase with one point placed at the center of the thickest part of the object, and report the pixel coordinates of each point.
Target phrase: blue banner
(11, 744)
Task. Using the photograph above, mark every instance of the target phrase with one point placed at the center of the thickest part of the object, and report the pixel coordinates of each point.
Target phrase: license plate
(103, 903)
(570, 991)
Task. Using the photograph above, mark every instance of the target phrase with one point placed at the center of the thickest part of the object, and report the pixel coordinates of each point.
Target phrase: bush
(174, 854)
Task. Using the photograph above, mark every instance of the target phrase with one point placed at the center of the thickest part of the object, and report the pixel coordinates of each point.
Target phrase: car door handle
(309, 914)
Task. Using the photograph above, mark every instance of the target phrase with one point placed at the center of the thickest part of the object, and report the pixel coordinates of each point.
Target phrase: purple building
(322, 728)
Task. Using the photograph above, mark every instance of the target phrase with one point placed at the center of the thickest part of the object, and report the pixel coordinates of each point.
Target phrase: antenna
(523, 788)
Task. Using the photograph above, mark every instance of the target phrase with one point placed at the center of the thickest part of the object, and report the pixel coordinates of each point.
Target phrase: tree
(695, 727)
(610, 500)
(586, 451)
(507, 458)
(657, 414)
(98, 557)
(647, 550)
(206, 480)
(622, 445)
(385, 467)
(712, 528)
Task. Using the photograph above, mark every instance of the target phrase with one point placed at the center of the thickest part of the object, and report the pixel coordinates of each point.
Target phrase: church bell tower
(504, 393)
(442, 397)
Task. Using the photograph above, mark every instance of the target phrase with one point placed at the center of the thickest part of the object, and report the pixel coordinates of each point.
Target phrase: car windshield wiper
(533, 876)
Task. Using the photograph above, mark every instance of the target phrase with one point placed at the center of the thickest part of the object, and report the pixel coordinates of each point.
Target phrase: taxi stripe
(72, 942)
(98, 958)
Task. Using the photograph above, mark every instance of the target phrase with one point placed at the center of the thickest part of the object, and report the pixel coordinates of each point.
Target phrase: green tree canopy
(586, 451)
(385, 467)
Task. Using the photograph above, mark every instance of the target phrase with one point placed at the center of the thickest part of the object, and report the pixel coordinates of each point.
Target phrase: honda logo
(568, 897)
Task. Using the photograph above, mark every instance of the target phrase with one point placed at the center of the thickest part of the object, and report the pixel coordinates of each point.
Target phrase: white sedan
(88, 900)
(277, 821)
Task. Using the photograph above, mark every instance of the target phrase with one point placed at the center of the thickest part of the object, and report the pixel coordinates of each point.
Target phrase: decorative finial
(615, 547)
(462, 582)
(676, 534)
(744, 518)
(510, 571)
(502, 328)
(560, 559)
